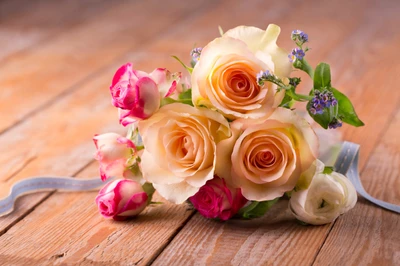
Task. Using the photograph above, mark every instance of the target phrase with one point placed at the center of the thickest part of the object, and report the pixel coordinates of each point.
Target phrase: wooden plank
(88, 112)
(314, 233)
(40, 21)
(57, 67)
(264, 242)
(371, 235)
(67, 229)
(36, 147)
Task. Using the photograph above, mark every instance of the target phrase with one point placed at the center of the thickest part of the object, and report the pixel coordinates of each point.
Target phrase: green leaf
(287, 102)
(189, 69)
(302, 223)
(323, 119)
(328, 170)
(346, 110)
(289, 194)
(167, 100)
(322, 76)
(256, 209)
(221, 31)
(185, 95)
(149, 189)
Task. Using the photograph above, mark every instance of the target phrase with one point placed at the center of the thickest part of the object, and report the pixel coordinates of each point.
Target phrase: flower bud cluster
(195, 54)
(322, 100)
(299, 37)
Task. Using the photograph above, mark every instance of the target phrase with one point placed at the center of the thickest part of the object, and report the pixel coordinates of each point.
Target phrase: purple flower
(322, 100)
(263, 76)
(335, 123)
(300, 36)
(296, 53)
(195, 54)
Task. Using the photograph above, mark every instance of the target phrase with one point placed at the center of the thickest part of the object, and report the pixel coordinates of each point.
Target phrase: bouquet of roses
(229, 142)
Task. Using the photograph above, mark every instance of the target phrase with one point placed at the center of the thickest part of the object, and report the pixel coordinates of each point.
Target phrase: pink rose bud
(121, 198)
(138, 94)
(114, 153)
(217, 200)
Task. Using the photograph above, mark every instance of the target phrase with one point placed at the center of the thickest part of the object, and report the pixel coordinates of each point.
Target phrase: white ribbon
(346, 164)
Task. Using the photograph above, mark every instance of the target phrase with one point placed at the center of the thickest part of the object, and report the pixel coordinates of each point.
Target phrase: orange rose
(225, 78)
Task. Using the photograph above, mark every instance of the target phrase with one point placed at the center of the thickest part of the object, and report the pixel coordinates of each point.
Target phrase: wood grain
(68, 102)
(366, 97)
(42, 20)
(74, 150)
(60, 65)
(370, 235)
(68, 218)
(67, 229)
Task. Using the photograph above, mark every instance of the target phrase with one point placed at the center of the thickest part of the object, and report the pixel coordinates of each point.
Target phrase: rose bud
(121, 198)
(327, 197)
(114, 154)
(217, 200)
(138, 94)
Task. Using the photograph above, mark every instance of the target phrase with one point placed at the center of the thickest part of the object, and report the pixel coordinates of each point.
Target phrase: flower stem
(303, 65)
(298, 97)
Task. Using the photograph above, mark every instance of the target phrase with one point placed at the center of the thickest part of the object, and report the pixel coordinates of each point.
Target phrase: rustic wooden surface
(56, 62)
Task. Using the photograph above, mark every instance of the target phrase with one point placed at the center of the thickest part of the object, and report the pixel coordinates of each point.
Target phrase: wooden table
(57, 59)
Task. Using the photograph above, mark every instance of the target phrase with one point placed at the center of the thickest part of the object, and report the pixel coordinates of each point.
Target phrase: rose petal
(176, 193)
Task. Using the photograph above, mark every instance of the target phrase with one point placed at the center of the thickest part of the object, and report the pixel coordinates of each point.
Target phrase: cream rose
(225, 76)
(327, 197)
(180, 149)
(266, 157)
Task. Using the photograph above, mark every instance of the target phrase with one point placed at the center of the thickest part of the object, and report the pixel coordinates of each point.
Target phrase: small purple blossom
(300, 36)
(335, 123)
(322, 100)
(296, 54)
(195, 54)
(263, 76)
(294, 81)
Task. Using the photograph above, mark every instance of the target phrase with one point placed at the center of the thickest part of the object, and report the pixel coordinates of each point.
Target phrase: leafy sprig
(326, 105)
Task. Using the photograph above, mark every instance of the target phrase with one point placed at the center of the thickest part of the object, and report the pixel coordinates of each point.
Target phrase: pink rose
(121, 198)
(217, 200)
(137, 94)
(114, 154)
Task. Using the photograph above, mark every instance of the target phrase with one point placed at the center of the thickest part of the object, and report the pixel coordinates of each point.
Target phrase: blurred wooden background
(57, 59)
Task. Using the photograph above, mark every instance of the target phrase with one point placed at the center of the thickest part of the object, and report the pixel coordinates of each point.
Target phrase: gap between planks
(372, 144)
(371, 154)
(87, 79)
(179, 13)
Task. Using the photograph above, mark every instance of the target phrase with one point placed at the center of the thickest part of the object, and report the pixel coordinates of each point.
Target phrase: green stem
(303, 65)
(298, 97)
(248, 208)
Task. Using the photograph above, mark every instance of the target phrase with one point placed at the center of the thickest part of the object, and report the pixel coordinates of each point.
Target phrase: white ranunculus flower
(327, 197)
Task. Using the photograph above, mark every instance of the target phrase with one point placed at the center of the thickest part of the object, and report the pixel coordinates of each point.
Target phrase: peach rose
(180, 149)
(266, 157)
(225, 76)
